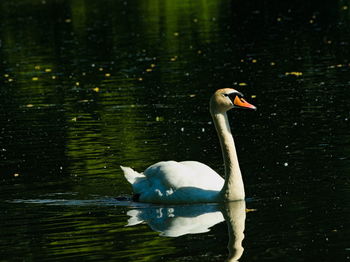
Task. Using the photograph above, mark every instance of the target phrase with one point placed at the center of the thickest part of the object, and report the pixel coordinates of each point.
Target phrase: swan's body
(191, 181)
(176, 182)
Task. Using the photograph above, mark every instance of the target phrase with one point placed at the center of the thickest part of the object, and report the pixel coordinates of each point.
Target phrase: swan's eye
(233, 95)
(230, 95)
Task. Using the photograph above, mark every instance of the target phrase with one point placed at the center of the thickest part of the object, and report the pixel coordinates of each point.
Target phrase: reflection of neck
(235, 215)
(233, 188)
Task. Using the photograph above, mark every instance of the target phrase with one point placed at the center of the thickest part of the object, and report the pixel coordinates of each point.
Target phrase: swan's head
(226, 99)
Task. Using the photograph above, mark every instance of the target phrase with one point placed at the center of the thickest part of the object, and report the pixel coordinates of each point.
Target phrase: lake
(87, 86)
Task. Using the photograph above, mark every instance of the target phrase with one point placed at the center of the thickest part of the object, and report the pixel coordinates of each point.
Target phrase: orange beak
(241, 103)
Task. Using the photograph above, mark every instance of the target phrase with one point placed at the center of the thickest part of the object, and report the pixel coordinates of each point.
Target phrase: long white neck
(233, 188)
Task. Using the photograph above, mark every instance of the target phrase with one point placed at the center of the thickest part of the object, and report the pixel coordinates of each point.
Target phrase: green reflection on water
(47, 67)
(85, 235)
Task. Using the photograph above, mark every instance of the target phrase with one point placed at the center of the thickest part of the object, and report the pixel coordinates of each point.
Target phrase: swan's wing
(204, 176)
(205, 173)
(175, 175)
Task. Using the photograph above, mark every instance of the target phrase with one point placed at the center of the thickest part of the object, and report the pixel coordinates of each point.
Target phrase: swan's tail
(131, 175)
(137, 180)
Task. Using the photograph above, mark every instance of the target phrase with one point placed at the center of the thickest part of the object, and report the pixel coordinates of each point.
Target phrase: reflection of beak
(241, 103)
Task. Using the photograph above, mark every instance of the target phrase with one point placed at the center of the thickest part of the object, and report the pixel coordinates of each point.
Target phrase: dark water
(86, 86)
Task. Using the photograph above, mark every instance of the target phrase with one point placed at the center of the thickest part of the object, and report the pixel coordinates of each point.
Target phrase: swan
(171, 182)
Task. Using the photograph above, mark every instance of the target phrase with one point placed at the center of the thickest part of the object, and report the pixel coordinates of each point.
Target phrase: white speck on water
(285, 164)
(182, 129)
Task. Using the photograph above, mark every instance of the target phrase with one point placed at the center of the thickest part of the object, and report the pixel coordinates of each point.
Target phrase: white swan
(191, 181)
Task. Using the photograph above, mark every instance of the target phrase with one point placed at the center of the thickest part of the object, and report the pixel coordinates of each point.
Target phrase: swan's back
(176, 182)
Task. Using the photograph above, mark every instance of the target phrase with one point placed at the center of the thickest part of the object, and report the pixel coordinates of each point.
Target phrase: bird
(186, 182)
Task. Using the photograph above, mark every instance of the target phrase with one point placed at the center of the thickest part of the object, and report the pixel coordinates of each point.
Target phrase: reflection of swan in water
(193, 219)
(178, 220)
(191, 181)
(235, 214)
